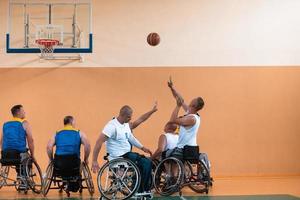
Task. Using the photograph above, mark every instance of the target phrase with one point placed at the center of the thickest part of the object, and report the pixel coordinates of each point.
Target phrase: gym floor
(237, 188)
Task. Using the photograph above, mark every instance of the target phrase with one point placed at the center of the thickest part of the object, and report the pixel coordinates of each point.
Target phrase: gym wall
(249, 125)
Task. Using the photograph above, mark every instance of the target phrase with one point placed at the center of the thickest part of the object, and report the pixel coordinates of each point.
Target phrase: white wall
(193, 33)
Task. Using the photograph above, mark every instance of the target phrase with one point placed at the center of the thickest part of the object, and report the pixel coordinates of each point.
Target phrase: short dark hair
(68, 120)
(15, 109)
(200, 103)
(171, 126)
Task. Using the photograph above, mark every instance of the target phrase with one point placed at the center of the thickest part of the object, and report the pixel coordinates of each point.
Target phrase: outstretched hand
(155, 106)
(170, 83)
(146, 150)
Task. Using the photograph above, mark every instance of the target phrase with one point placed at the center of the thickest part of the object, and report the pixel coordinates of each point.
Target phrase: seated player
(166, 141)
(188, 124)
(118, 137)
(16, 135)
(67, 155)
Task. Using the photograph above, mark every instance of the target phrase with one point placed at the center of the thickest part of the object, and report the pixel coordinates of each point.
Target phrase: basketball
(153, 39)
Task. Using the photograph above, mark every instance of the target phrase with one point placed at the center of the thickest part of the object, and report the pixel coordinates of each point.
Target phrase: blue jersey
(14, 136)
(68, 142)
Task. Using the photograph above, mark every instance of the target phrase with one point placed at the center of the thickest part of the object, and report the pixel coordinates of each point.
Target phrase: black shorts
(67, 165)
(10, 157)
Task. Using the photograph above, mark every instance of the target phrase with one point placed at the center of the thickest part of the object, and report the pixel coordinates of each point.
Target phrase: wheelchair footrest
(143, 194)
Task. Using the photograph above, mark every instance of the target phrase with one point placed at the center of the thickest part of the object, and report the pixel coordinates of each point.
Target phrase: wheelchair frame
(113, 167)
(49, 178)
(24, 182)
(199, 180)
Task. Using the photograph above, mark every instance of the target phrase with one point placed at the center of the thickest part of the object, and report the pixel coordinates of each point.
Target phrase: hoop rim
(47, 42)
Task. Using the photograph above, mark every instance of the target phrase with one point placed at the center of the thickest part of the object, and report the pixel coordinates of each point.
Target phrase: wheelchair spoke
(114, 173)
(124, 173)
(126, 186)
(106, 180)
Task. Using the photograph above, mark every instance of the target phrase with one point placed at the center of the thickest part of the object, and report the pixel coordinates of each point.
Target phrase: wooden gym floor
(237, 188)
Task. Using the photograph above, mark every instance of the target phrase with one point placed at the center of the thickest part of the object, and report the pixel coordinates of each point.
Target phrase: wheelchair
(74, 183)
(28, 172)
(119, 179)
(172, 174)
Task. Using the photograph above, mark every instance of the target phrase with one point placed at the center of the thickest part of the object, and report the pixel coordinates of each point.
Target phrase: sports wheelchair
(172, 174)
(74, 180)
(28, 172)
(120, 179)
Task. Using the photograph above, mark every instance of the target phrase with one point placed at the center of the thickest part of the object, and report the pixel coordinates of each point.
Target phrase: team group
(117, 134)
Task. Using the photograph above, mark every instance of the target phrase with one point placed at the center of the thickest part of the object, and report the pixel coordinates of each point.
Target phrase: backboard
(68, 21)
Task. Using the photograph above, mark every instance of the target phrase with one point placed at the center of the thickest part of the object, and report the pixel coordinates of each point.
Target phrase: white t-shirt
(120, 138)
(188, 135)
(172, 140)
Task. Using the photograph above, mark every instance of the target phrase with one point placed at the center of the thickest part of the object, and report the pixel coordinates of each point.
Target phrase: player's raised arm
(176, 94)
(143, 117)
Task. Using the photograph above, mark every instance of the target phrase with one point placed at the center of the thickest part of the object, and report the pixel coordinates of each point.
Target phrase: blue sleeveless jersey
(14, 136)
(67, 142)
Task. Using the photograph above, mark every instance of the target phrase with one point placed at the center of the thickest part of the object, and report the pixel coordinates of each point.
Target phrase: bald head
(125, 114)
(125, 110)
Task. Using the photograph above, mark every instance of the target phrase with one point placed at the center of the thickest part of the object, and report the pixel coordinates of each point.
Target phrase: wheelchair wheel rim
(127, 181)
(88, 178)
(164, 181)
(34, 176)
(200, 185)
(4, 170)
(47, 180)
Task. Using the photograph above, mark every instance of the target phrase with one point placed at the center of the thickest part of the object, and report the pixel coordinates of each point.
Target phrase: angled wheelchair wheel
(34, 175)
(118, 179)
(168, 176)
(201, 180)
(47, 179)
(155, 163)
(4, 170)
(87, 178)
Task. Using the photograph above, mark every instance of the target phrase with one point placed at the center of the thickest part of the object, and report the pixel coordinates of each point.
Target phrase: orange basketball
(153, 39)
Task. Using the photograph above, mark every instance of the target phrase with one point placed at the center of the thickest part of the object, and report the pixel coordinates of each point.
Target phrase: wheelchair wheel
(4, 170)
(168, 176)
(87, 178)
(118, 179)
(202, 179)
(155, 163)
(34, 175)
(47, 179)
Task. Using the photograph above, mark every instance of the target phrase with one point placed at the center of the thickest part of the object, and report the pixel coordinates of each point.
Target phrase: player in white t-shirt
(188, 124)
(119, 139)
(166, 141)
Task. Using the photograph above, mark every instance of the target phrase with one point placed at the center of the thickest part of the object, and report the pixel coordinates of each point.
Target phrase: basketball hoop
(47, 47)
